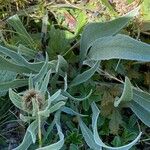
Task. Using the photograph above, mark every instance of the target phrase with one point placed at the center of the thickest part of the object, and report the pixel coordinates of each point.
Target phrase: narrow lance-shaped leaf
(119, 47)
(32, 129)
(45, 82)
(10, 66)
(127, 94)
(52, 109)
(16, 99)
(95, 31)
(42, 72)
(58, 145)
(88, 136)
(141, 112)
(21, 61)
(70, 111)
(4, 86)
(65, 93)
(96, 135)
(142, 98)
(16, 23)
(27, 52)
(27, 140)
(81, 78)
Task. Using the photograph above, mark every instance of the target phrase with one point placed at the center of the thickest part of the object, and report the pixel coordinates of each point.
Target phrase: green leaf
(26, 118)
(16, 99)
(13, 84)
(45, 82)
(30, 82)
(61, 64)
(20, 60)
(42, 72)
(71, 112)
(32, 130)
(52, 109)
(88, 136)
(27, 52)
(94, 31)
(81, 78)
(16, 23)
(96, 135)
(27, 140)
(65, 93)
(142, 98)
(55, 95)
(58, 145)
(140, 112)
(6, 64)
(5, 76)
(127, 94)
(63, 39)
(119, 47)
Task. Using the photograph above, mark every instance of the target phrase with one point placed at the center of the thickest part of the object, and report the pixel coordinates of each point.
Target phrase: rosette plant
(99, 42)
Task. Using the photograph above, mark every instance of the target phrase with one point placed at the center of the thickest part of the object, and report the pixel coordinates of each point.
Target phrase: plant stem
(39, 131)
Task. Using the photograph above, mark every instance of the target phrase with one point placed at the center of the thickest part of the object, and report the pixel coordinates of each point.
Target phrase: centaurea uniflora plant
(36, 104)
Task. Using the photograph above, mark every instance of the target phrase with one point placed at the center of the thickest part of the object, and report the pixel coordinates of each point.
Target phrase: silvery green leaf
(45, 82)
(6, 76)
(22, 62)
(58, 145)
(140, 112)
(88, 136)
(86, 75)
(91, 63)
(65, 84)
(61, 64)
(66, 94)
(55, 95)
(42, 72)
(52, 109)
(142, 98)
(32, 129)
(29, 136)
(96, 135)
(94, 31)
(15, 99)
(26, 118)
(119, 47)
(6, 64)
(71, 112)
(35, 107)
(16, 23)
(4, 86)
(127, 94)
(30, 82)
(27, 52)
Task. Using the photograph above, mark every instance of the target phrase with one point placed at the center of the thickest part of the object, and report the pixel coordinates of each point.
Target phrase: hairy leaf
(65, 93)
(119, 47)
(16, 99)
(13, 84)
(127, 94)
(95, 31)
(16, 23)
(27, 140)
(88, 136)
(96, 135)
(81, 78)
(142, 98)
(141, 112)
